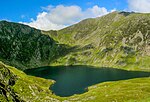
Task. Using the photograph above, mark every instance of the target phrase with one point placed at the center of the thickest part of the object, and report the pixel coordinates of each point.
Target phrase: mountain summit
(119, 39)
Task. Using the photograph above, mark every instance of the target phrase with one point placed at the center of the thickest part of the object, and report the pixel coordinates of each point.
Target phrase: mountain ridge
(119, 40)
(124, 33)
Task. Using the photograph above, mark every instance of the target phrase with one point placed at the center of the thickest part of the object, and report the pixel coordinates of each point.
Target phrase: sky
(58, 14)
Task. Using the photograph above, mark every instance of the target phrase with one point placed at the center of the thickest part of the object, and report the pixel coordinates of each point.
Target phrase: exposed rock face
(23, 46)
(16, 86)
(7, 80)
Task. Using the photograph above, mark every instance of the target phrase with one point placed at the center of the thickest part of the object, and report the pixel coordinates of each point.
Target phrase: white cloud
(42, 22)
(64, 14)
(55, 18)
(142, 6)
(95, 11)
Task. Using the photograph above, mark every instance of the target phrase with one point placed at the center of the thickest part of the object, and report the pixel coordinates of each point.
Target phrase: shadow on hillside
(126, 13)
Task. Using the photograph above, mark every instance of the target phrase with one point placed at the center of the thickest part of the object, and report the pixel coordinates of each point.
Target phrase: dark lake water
(75, 79)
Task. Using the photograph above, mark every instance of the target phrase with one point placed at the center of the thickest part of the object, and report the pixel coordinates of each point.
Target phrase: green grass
(134, 90)
(119, 31)
(34, 89)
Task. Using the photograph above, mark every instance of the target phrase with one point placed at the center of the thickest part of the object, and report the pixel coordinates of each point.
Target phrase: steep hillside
(7, 80)
(16, 86)
(119, 39)
(26, 47)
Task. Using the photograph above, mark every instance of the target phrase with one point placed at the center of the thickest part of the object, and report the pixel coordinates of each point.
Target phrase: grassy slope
(119, 91)
(34, 89)
(119, 40)
(30, 88)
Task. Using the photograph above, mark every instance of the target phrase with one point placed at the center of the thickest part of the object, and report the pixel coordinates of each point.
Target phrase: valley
(113, 51)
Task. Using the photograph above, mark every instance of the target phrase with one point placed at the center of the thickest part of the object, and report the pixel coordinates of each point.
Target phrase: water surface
(75, 79)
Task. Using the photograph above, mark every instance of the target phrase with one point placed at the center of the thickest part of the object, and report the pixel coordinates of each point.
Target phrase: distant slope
(119, 39)
(26, 47)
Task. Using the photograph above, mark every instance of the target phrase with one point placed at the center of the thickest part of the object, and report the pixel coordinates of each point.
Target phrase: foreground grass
(34, 89)
(134, 90)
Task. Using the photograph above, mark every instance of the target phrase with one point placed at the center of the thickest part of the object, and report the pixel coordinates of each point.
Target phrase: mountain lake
(72, 80)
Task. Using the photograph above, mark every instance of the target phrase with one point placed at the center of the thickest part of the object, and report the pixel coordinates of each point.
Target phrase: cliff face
(23, 46)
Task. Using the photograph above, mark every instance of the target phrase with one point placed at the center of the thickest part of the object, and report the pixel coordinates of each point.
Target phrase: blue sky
(23, 10)
(53, 16)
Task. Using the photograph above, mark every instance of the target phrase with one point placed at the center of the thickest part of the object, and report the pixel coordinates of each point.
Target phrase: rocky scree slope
(7, 80)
